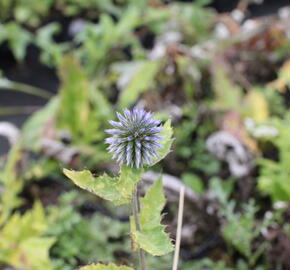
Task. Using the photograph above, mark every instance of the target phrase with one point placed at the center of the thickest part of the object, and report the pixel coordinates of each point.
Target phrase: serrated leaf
(127, 180)
(139, 83)
(10, 183)
(152, 237)
(115, 189)
(104, 186)
(32, 248)
(105, 267)
(25, 234)
(166, 142)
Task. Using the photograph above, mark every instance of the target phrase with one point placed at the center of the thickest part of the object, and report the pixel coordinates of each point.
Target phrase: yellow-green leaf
(166, 141)
(227, 94)
(283, 79)
(104, 186)
(152, 237)
(11, 184)
(115, 189)
(25, 234)
(74, 97)
(127, 180)
(105, 267)
(256, 106)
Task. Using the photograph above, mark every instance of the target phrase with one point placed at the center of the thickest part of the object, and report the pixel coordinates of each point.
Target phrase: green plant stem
(12, 110)
(25, 88)
(135, 208)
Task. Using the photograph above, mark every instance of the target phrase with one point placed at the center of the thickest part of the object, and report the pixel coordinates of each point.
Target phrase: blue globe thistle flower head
(134, 138)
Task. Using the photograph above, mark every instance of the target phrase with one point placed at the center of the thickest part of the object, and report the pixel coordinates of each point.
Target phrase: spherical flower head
(134, 138)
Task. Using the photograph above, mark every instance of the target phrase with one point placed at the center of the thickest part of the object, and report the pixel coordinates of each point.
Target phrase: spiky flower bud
(134, 138)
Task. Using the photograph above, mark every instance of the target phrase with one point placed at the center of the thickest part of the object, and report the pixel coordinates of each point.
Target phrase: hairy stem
(135, 208)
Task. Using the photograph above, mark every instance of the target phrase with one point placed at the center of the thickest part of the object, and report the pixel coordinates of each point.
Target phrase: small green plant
(23, 243)
(76, 238)
(17, 37)
(240, 230)
(274, 175)
(137, 141)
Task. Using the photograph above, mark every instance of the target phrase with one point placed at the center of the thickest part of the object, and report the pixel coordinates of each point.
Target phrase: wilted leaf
(105, 267)
(233, 123)
(152, 237)
(256, 106)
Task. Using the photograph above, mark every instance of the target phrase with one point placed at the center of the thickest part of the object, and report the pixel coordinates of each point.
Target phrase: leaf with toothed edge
(127, 180)
(152, 237)
(115, 189)
(104, 186)
(105, 267)
(166, 142)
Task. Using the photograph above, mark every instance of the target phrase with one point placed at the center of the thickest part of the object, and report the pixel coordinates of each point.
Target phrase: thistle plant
(134, 140)
(137, 141)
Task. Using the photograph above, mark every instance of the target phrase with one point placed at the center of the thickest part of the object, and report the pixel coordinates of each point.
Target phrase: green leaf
(51, 51)
(102, 108)
(127, 180)
(152, 237)
(74, 109)
(105, 267)
(128, 22)
(228, 95)
(25, 234)
(167, 141)
(103, 186)
(221, 189)
(140, 82)
(37, 123)
(18, 39)
(35, 251)
(194, 182)
(115, 189)
(10, 184)
(241, 229)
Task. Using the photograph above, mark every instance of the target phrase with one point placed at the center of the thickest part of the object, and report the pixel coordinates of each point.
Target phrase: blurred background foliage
(222, 77)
